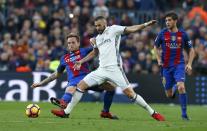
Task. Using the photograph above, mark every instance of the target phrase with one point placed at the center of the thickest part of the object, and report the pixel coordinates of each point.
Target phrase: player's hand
(188, 68)
(77, 65)
(93, 41)
(152, 22)
(160, 63)
(34, 85)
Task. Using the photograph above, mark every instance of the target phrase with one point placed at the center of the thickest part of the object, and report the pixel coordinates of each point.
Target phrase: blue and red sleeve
(187, 41)
(158, 40)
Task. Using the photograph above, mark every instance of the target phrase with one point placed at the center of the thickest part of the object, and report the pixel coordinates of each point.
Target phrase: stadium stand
(32, 32)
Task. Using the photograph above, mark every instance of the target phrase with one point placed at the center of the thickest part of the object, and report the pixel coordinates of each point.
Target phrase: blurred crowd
(33, 32)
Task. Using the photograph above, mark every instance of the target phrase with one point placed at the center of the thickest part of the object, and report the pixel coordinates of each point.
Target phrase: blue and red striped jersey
(67, 62)
(172, 44)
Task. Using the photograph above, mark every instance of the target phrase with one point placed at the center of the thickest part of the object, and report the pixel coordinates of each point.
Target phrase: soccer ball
(33, 110)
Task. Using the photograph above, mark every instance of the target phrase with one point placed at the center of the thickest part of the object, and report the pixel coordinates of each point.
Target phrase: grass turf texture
(86, 117)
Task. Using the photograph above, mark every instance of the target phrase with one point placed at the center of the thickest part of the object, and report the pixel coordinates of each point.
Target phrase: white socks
(140, 101)
(75, 99)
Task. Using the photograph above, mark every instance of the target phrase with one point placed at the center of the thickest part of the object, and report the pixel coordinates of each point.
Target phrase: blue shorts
(172, 75)
(76, 80)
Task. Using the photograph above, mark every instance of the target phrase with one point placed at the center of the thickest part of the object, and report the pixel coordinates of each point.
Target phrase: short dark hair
(73, 35)
(173, 15)
(100, 18)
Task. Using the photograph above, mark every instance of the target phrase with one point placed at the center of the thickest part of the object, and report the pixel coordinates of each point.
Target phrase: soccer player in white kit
(106, 45)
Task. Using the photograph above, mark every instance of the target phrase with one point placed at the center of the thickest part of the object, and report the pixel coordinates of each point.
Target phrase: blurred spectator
(23, 64)
(4, 62)
(58, 50)
(33, 32)
(197, 10)
(100, 9)
(128, 61)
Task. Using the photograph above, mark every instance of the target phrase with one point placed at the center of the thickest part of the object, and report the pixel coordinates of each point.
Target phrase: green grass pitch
(85, 117)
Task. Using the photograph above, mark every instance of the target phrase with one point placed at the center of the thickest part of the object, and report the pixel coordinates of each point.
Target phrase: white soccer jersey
(108, 45)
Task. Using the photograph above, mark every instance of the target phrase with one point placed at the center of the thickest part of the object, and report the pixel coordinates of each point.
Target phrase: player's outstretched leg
(75, 99)
(108, 98)
(66, 98)
(183, 100)
(141, 102)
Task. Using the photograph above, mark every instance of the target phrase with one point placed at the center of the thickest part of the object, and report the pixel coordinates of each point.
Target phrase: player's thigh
(70, 89)
(94, 78)
(109, 86)
(179, 74)
(118, 77)
(95, 88)
(168, 79)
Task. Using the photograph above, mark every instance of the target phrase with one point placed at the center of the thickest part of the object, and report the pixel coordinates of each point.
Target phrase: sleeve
(187, 41)
(61, 66)
(158, 40)
(117, 29)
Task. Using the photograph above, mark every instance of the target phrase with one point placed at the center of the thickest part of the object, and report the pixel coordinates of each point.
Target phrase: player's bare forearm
(52, 77)
(135, 28)
(158, 55)
(90, 56)
(191, 56)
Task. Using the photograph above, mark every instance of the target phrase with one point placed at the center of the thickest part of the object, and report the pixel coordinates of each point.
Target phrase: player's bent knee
(82, 85)
(181, 89)
(129, 92)
(70, 90)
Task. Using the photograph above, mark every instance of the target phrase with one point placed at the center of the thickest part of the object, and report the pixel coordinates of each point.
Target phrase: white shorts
(114, 74)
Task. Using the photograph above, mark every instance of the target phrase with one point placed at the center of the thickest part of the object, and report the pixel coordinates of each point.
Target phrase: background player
(110, 65)
(172, 42)
(74, 76)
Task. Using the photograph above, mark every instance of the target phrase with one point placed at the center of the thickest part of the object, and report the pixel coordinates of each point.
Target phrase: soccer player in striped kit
(67, 62)
(169, 46)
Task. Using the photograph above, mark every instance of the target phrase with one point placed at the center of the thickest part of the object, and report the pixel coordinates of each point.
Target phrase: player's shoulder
(63, 56)
(86, 49)
(115, 26)
(182, 31)
(163, 30)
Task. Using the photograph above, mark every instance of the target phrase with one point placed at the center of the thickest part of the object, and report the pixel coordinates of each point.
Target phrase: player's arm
(190, 60)
(189, 44)
(157, 49)
(89, 57)
(158, 55)
(52, 77)
(135, 28)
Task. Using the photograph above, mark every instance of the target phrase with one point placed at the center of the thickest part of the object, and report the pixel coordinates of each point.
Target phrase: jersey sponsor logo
(173, 45)
(104, 41)
(72, 59)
